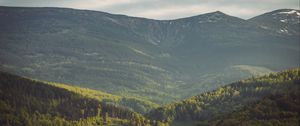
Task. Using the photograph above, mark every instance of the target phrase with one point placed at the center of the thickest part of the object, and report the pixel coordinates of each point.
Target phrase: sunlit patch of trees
(274, 110)
(25, 102)
(230, 98)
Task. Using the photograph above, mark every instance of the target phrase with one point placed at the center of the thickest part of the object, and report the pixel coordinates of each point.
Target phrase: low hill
(26, 102)
(232, 98)
(279, 110)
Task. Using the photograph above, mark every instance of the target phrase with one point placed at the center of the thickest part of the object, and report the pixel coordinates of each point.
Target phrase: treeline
(25, 102)
(227, 99)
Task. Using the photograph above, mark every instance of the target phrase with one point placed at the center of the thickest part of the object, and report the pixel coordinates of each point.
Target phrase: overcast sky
(165, 9)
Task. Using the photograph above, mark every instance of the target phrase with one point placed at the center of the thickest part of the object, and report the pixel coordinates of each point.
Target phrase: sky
(165, 9)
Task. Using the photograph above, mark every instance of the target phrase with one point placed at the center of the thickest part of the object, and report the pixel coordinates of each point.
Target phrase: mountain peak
(280, 15)
(283, 21)
(215, 13)
(213, 17)
(218, 12)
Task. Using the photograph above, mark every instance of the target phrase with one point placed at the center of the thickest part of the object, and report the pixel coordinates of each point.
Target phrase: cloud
(83, 4)
(179, 11)
(171, 9)
(165, 9)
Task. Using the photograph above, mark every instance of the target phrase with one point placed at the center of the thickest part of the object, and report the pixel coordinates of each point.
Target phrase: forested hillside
(279, 109)
(267, 100)
(25, 102)
(258, 100)
(138, 105)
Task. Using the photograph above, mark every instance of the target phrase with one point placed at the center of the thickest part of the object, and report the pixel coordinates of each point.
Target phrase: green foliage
(138, 105)
(25, 102)
(227, 99)
(279, 110)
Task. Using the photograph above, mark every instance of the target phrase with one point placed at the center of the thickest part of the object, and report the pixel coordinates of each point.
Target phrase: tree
(105, 119)
(82, 113)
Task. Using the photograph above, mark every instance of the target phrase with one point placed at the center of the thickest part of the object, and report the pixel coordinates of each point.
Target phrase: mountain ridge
(124, 15)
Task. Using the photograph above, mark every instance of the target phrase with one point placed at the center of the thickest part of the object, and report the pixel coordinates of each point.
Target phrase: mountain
(26, 102)
(156, 60)
(270, 99)
(283, 21)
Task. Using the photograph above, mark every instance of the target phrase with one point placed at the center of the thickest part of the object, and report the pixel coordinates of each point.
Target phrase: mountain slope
(134, 104)
(283, 21)
(25, 102)
(217, 104)
(64, 41)
(160, 61)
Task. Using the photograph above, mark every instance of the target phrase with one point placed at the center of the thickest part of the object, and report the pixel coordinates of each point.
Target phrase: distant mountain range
(157, 60)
